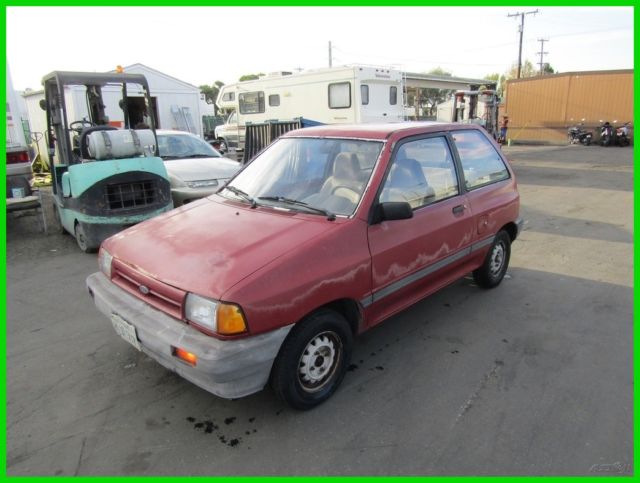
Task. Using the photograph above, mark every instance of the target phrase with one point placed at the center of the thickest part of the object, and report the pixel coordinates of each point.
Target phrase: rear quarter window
(481, 163)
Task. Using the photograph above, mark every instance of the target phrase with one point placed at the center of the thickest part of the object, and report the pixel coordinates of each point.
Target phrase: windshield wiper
(288, 201)
(242, 195)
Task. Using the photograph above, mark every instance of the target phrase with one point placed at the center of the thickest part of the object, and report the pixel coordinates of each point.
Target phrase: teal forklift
(106, 171)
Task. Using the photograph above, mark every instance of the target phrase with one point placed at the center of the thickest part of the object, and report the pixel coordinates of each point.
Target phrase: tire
(224, 147)
(81, 240)
(56, 216)
(312, 360)
(495, 265)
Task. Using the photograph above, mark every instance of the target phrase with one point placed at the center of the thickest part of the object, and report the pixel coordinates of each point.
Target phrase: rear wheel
(312, 360)
(82, 240)
(495, 265)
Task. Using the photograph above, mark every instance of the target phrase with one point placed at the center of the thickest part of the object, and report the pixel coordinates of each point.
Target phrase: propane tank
(123, 143)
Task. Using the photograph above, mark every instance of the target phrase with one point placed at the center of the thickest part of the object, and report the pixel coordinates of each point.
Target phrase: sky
(201, 45)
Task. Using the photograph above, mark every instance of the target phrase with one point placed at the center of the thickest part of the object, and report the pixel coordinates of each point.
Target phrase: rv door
(380, 101)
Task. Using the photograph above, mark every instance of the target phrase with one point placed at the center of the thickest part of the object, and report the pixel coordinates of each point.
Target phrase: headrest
(346, 166)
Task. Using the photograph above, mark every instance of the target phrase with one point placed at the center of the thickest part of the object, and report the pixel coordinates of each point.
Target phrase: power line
(542, 54)
(521, 28)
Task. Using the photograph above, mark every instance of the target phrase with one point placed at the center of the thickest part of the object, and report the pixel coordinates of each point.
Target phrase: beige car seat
(345, 180)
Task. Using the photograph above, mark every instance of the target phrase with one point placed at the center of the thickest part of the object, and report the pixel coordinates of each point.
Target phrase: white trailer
(334, 95)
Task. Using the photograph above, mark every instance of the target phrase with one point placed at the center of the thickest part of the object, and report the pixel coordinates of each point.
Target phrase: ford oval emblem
(143, 290)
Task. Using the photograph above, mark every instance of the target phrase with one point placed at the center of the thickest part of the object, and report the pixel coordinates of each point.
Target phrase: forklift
(106, 171)
(467, 112)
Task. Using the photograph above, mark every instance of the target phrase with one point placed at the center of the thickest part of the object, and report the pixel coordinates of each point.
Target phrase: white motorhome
(334, 95)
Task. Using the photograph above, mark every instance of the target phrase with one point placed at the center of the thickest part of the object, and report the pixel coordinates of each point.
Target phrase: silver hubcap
(497, 259)
(318, 361)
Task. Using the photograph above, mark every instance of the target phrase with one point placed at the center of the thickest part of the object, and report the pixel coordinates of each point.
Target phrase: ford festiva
(328, 232)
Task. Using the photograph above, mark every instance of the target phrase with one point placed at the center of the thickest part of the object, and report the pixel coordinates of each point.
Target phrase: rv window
(251, 102)
(393, 95)
(229, 96)
(340, 95)
(364, 94)
(274, 100)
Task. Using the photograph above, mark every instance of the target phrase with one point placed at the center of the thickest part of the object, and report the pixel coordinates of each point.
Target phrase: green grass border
(346, 3)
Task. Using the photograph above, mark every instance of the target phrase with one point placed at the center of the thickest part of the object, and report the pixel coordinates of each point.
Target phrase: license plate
(125, 330)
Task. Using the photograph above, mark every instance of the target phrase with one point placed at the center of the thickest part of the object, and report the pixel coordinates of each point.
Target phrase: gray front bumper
(226, 368)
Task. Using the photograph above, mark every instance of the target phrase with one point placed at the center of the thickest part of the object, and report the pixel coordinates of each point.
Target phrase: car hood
(210, 245)
(196, 169)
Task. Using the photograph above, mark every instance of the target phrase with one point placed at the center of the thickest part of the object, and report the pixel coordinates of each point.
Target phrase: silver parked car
(195, 169)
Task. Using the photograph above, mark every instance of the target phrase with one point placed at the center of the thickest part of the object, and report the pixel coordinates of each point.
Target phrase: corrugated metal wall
(540, 109)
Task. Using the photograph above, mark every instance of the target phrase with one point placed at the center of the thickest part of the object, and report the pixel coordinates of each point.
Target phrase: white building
(177, 104)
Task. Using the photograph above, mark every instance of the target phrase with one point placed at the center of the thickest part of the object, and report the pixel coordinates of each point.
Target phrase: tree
(247, 77)
(548, 69)
(433, 97)
(211, 93)
(527, 70)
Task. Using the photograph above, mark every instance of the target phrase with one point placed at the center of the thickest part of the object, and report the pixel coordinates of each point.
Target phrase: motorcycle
(622, 135)
(578, 135)
(606, 134)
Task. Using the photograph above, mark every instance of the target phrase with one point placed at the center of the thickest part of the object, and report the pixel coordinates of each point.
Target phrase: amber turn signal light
(230, 320)
(185, 356)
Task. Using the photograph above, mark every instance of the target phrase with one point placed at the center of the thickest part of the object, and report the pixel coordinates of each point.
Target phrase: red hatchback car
(326, 233)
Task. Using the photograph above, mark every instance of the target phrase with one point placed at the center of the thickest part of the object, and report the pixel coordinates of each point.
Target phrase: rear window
(364, 94)
(481, 163)
(393, 95)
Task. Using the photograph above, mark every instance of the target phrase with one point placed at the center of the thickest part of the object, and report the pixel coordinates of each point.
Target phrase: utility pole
(542, 54)
(521, 15)
(330, 55)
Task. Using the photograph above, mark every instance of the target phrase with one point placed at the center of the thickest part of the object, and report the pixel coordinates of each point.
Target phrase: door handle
(458, 209)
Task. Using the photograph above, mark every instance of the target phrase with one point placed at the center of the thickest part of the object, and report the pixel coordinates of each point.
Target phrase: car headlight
(213, 316)
(205, 183)
(104, 262)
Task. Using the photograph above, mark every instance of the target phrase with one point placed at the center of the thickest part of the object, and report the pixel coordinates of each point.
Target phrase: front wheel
(222, 146)
(312, 360)
(492, 271)
(56, 216)
(82, 240)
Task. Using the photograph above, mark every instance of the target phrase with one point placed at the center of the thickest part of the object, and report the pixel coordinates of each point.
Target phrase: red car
(326, 233)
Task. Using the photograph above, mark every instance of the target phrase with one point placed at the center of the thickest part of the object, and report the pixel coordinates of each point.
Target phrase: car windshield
(308, 174)
(179, 146)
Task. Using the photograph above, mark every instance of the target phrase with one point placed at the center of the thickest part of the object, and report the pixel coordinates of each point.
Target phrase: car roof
(377, 131)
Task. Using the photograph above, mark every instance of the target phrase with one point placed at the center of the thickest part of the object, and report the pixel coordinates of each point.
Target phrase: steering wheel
(78, 126)
(347, 188)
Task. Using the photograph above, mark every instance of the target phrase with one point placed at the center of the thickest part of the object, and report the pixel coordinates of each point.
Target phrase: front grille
(160, 295)
(123, 196)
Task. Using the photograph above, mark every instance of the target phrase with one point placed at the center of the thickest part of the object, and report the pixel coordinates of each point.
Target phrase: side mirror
(43, 104)
(393, 210)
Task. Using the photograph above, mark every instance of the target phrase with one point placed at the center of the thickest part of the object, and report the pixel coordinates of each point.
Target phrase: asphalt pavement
(531, 378)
